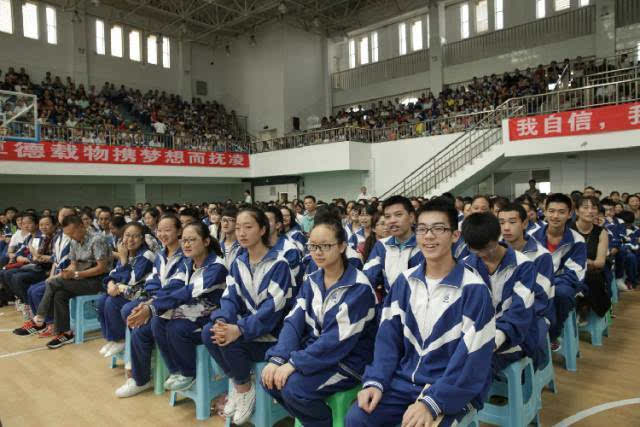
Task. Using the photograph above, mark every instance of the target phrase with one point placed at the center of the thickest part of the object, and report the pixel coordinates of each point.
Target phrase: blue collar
(272, 253)
(411, 243)
(348, 278)
(165, 252)
(567, 236)
(454, 278)
(210, 259)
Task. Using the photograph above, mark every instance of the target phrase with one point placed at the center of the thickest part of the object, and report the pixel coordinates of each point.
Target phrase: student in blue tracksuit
(353, 258)
(358, 239)
(432, 357)
(327, 338)
(123, 284)
(60, 261)
(569, 254)
(29, 226)
(399, 251)
(179, 316)
(353, 222)
(292, 230)
(513, 221)
(251, 312)
(229, 243)
(168, 275)
(281, 243)
(511, 276)
(629, 247)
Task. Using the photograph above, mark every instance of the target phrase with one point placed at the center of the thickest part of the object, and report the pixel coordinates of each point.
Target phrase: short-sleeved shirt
(87, 253)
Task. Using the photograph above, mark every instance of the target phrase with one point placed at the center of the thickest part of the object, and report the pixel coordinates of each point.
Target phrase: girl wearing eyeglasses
(252, 308)
(124, 283)
(327, 339)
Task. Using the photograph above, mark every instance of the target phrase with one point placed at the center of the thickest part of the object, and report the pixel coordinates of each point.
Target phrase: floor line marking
(18, 353)
(594, 410)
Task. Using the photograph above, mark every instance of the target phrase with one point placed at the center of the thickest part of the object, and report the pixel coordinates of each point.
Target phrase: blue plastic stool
(339, 403)
(268, 411)
(570, 342)
(210, 382)
(470, 420)
(124, 355)
(83, 315)
(597, 327)
(545, 377)
(160, 371)
(614, 291)
(522, 406)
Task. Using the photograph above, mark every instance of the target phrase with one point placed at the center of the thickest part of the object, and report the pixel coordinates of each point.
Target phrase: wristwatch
(76, 275)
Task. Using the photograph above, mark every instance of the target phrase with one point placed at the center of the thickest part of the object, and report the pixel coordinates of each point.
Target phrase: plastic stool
(570, 342)
(268, 411)
(522, 406)
(160, 371)
(614, 291)
(210, 382)
(83, 315)
(597, 327)
(545, 377)
(339, 403)
(124, 355)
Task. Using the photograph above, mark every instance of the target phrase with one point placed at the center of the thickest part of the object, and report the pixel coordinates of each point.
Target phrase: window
(562, 4)
(482, 16)
(6, 17)
(584, 3)
(116, 41)
(426, 23)
(499, 14)
(464, 20)
(134, 45)
(402, 37)
(540, 9)
(166, 52)
(100, 45)
(352, 53)
(364, 50)
(152, 50)
(416, 35)
(30, 20)
(52, 26)
(638, 49)
(374, 47)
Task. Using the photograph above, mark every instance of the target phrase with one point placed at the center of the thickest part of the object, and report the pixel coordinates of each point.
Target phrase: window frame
(566, 5)
(112, 41)
(10, 27)
(36, 36)
(421, 38)
(541, 9)
(363, 50)
(139, 35)
(485, 21)
(465, 30)
(101, 39)
(498, 14)
(166, 56)
(402, 38)
(52, 29)
(155, 49)
(375, 47)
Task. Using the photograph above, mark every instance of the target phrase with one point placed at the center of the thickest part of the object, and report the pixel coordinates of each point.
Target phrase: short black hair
(479, 229)
(118, 221)
(276, 212)
(71, 220)
(532, 180)
(398, 200)
(515, 207)
(192, 212)
(31, 215)
(558, 198)
(482, 196)
(500, 202)
(607, 202)
(444, 205)
(229, 211)
(627, 216)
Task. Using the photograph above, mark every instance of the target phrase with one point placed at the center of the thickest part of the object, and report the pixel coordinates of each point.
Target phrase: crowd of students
(421, 301)
(122, 115)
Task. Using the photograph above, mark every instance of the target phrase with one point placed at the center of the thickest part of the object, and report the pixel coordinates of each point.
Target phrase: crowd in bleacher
(421, 303)
(124, 116)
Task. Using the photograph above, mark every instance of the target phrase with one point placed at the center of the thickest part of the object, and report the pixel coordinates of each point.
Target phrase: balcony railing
(576, 23)
(405, 65)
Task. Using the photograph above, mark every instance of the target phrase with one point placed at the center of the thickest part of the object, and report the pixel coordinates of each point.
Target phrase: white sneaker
(622, 287)
(230, 406)
(130, 388)
(181, 383)
(105, 348)
(168, 383)
(115, 348)
(245, 404)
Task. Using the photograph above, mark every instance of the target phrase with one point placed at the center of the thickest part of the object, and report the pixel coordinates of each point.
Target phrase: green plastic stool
(339, 403)
(160, 372)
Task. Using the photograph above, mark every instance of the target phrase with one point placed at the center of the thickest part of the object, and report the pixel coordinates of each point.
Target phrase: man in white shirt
(247, 197)
(160, 127)
(363, 194)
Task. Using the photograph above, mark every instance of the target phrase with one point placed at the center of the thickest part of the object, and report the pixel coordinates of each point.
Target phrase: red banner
(118, 155)
(580, 122)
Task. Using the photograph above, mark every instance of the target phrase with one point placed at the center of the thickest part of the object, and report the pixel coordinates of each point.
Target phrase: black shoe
(29, 328)
(60, 340)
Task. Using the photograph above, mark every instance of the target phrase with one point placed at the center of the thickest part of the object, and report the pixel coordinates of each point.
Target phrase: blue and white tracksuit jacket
(616, 229)
(460, 250)
(356, 238)
(388, 259)
(438, 340)
(256, 300)
(230, 252)
(297, 236)
(569, 261)
(353, 258)
(61, 247)
(512, 293)
(200, 295)
(134, 273)
(329, 328)
(629, 239)
(24, 250)
(534, 226)
(289, 251)
(167, 275)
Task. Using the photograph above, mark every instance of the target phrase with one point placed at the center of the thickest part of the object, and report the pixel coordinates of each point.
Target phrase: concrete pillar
(605, 40)
(140, 192)
(185, 84)
(79, 57)
(436, 34)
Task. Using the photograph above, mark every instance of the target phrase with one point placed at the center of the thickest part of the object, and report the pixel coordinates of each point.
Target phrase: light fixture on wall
(252, 40)
(227, 50)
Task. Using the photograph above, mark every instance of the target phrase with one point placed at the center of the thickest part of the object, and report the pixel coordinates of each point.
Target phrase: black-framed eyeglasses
(324, 247)
(437, 230)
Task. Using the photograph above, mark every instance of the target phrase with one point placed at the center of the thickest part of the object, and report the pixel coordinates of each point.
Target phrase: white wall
(628, 37)
(267, 193)
(327, 186)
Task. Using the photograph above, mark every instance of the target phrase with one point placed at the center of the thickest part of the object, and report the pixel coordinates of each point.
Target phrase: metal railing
(364, 75)
(611, 76)
(572, 24)
(488, 132)
(417, 93)
(439, 126)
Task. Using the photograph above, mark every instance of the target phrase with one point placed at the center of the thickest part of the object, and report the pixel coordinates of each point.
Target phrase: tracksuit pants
(111, 324)
(34, 296)
(564, 301)
(142, 344)
(177, 340)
